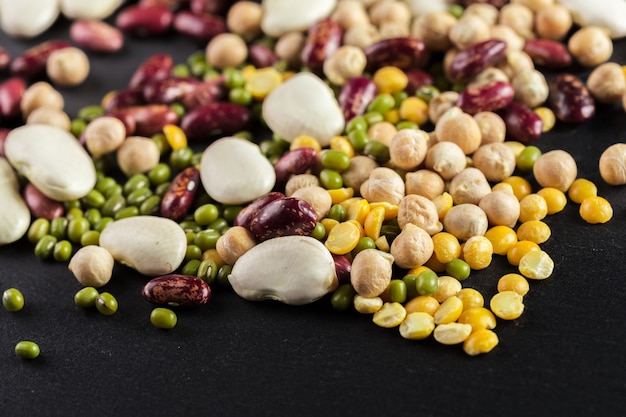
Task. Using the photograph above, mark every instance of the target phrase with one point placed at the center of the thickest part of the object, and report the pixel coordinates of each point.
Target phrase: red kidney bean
(323, 38)
(416, 79)
(157, 67)
(145, 20)
(171, 4)
(177, 290)
(403, 52)
(4, 132)
(125, 98)
(200, 27)
(548, 53)
(286, 216)
(570, 99)
(145, 120)
(219, 118)
(32, 62)
(40, 205)
(293, 162)
(469, 62)
(521, 122)
(96, 35)
(343, 267)
(261, 55)
(181, 193)
(169, 90)
(11, 92)
(488, 97)
(244, 217)
(355, 96)
(5, 58)
(206, 92)
(209, 6)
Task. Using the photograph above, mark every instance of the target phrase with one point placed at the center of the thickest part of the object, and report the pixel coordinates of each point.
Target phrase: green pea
(337, 212)
(193, 252)
(74, 213)
(125, 212)
(196, 158)
(181, 70)
(240, 95)
(191, 267)
(358, 139)
(62, 251)
(58, 227)
(90, 237)
(427, 283)
(406, 124)
(190, 226)
(162, 188)
(397, 291)
(76, 228)
(207, 271)
(93, 215)
(319, 231)
(38, 229)
(411, 286)
(271, 148)
(364, 243)
(71, 204)
(136, 181)
(45, 247)
(357, 123)
(13, 299)
(459, 269)
(399, 97)
(427, 92)
(88, 113)
(113, 204)
(150, 206)
(94, 198)
(116, 189)
(221, 225)
(179, 109)
(206, 214)
(342, 298)
(526, 159)
(191, 237)
(77, 127)
(230, 213)
(206, 239)
(382, 103)
(374, 117)
(331, 179)
(161, 142)
(159, 174)
(378, 150)
(163, 318)
(26, 349)
(233, 78)
(104, 222)
(138, 196)
(181, 158)
(106, 304)
(86, 297)
(222, 275)
(333, 159)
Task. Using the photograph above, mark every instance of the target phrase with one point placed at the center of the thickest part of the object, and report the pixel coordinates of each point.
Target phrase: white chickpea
(289, 48)
(441, 104)
(556, 169)
(515, 62)
(433, 29)
(519, 17)
(408, 148)
(469, 186)
(226, 50)
(612, 164)
(412, 247)
(424, 182)
(492, 127)
(459, 127)
(514, 42)
(50, 116)
(501, 208)
(236, 241)
(445, 158)
(137, 154)
(68, 67)
(317, 197)
(553, 22)
(383, 185)
(371, 272)
(345, 63)
(487, 12)
(104, 135)
(244, 19)
(531, 87)
(420, 211)
(495, 160)
(40, 94)
(607, 83)
(350, 13)
(359, 171)
(590, 46)
(382, 132)
(361, 35)
(465, 220)
(468, 31)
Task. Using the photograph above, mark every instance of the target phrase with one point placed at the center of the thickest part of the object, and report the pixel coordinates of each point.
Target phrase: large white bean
(14, 215)
(610, 14)
(28, 18)
(283, 16)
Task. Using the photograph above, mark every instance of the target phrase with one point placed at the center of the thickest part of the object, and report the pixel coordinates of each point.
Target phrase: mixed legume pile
(399, 157)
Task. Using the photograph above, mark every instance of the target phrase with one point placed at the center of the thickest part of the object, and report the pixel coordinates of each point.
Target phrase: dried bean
(177, 290)
(261, 56)
(471, 61)
(296, 161)
(487, 97)
(200, 27)
(11, 92)
(521, 122)
(40, 205)
(286, 216)
(96, 35)
(402, 52)
(32, 62)
(147, 120)
(157, 67)
(144, 20)
(169, 90)
(209, 6)
(244, 217)
(5, 58)
(323, 38)
(181, 194)
(218, 118)
(548, 53)
(570, 99)
(125, 98)
(356, 94)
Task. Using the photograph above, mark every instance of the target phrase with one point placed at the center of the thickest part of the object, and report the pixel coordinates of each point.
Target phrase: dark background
(564, 356)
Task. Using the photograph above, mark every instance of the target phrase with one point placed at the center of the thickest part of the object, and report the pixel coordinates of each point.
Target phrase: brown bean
(40, 205)
(403, 52)
(11, 92)
(200, 27)
(548, 53)
(261, 56)
(471, 61)
(177, 290)
(157, 67)
(286, 216)
(146, 120)
(218, 118)
(293, 162)
(355, 96)
(521, 122)
(323, 38)
(169, 90)
(488, 97)
(32, 62)
(96, 36)
(209, 6)
(570, 99)
(181, 193)
(244, 217)
(145, 20)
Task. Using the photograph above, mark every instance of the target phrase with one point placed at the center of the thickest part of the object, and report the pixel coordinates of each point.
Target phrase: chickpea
(361, 35)
(226, 50)
(469, 186)
(350, 13)
(459, 127)
(590, 46)
(468, 31)
(50, 116)
(492, 127)
(420, 211)
(359, 171)
(412, 247)
(487, 12)
(531, 87)
(515, 62)
(390, 29)
(496, 160)
(345, 63)
(424, 182)
(394, 11)
(489, 75)
(371, 272)
(445, 158)
(433, 28)
(382, 132)
(236, 241)
(137, 154)
(385, 185)
(244, 19)
(555, 169)
(104, 135)
(514, 42)
(68, 67)
(441, 104)
(534, 5)
(408, 148)
(502, 208)
(289, 48)
(40, 94)
(613, 164)
(553, 22)
(317, 197)
(607, 82)
(518, 17)
(465, 220)
(298, 181)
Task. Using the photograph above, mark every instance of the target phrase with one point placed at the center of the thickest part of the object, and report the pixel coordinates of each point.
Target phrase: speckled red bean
(486, 97)
(548, 53)
(40, 205)
(145, 20)
(471, 61)
(402, 52)
(323, 38)
(206, 92)
(146, 120)
(32, 62)
(156, 67)
(125, 98)
(286, 216)
(343, 266)
(416, 79)
(355, 96)
(244, 217)
(200, 27)
(177, 290)
(293, 162)
(570, 99)
(181, 193)
(218, 118)
(169, 90)
(11, 91)
(521, 122)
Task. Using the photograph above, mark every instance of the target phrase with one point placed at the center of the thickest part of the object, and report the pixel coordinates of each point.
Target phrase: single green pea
(456, 10)
(427, 283)
(88, 113)
(222, 275)
(373, 117)
(207, 271)
(330, 179)
(342, 298)
(163, 318)
(271, 148)
(382, 103)
(230, 213)
(358, 139)
(378, 150)
(179, 109)
(26, 349)
(106, 304)
(319, 231)
(93, 216)
(77, 127)
(94, 198)
(74, 213)
(38, 229)
(193, 252)
(86, 297)
(181, 158)
(459, 269)
(76, 228)
(129, 211)
(526, 159)
(365, 242)
(357, 123)
(207, 239)
(221, 225)
(399, 97)
(58, 227)
(159, 174)
(116, 189)
(190, 226)
(191, 237)
(90, 237)
(136, 181)
(150, 206)
(161, 142)
(206, 214)
(411, 286)
(334, 159)
(13, 299)
(138, 196)
(103, 223)
(240, 95)
(191, 267)
(233, 78)
(397, 291)
(113, 204)
(162, 188)
(181, 70)
(337, 212)
(427, 92)
(62, 251)
(70, 204)
(45, 247)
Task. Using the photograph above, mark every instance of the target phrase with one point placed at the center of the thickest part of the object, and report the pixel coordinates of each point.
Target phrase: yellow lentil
(521, 186)
(374, 222)
(520, 249)
(305, 141)
(389, 315)
(341, 143)
(449, 310)
(414, 109)
(175, 136)
(367, 305)
(471, 298)
(478, 252)
(342, 238)
(532, 207)
(262, 81)
(547, 117)
(390, 79)
(536, 265)
(446, 246)
(452, 333)
(422, 303)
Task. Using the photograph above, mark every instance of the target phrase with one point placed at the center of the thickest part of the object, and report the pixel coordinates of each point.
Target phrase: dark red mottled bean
(548, 53)
(181, 193)
(200, 27)
(288, 216)
(11, 92)
(355, 96)
(206, 92)
(293, 162)
(402, 52)
(521, 122)
(145, 120)
(32, 62)
(218, 118)
(177, 290)
(145, 20)
(169, 90)
(323, 38)
(488, 97)
(416, 79)
(570, 99)
(125, 98)
(157, 67)
(246, 214)
(471, 61)
(261, 56)
(343, 267)
(40, 205)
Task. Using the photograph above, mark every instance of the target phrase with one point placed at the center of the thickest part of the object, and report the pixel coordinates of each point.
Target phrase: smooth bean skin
(13, 300)
(86, 297)
(27, 349)
(163, 318)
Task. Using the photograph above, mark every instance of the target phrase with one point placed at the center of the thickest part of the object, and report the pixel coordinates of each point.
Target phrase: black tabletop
(563, 356)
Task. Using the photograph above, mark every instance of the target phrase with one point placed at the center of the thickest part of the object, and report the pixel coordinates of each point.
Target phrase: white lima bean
(28, 18)
(605, 13)
(282, 16)
(14, 216)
